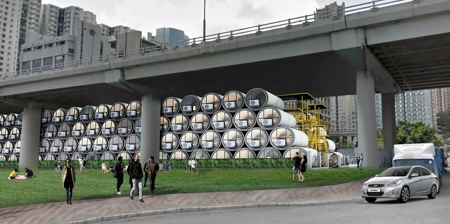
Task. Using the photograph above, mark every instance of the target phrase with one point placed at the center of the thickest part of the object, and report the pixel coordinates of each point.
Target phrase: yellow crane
(307, 113)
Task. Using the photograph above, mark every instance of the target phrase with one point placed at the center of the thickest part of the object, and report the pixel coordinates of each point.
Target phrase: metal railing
(305, 20)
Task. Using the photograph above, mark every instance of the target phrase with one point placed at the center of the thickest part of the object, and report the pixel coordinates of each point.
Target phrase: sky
(187, 15)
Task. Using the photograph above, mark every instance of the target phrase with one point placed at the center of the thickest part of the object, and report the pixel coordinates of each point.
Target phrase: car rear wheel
(433, 192)
(404, 195)
(371, 200)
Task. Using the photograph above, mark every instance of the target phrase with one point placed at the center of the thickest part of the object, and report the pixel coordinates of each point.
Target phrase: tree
(443, 120)
(417, 132)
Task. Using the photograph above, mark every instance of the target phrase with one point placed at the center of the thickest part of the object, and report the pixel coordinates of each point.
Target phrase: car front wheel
(371, 200)
(433, 192)
(404, 195)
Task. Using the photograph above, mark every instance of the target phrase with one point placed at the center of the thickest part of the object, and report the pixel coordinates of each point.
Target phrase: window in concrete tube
(75, 133)
(167, 146)
(187, 109)
(114, 114)
(208, 145)
(97, 148)
(82, 148)
(230, 105)
(167, 110)
(106, 131)
(197, 126)
(255, 143)
(130, 147)
(242, 123)
(113, 148)
(186, 145)
(254, 103)
(90, 132)
(138, 129)
(231, 144)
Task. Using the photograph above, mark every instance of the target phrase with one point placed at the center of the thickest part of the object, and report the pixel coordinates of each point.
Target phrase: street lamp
(204, 20)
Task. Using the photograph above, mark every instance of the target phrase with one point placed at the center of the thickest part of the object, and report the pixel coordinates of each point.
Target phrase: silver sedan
(401, 183)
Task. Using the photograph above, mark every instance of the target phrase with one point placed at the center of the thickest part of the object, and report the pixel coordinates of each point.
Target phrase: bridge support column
(389, 127)
(150, 132)
(367, 129)
(30, 137)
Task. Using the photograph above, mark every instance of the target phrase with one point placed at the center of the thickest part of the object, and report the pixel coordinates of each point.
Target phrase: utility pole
(204, 20)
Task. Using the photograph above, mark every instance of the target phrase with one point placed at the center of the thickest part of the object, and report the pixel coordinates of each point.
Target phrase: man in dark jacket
(135, 171)
(151, 169)
(145, 173)
(118, 173)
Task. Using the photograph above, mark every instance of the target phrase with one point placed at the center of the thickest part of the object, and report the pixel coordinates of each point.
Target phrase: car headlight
(394, 183)
(365, 184)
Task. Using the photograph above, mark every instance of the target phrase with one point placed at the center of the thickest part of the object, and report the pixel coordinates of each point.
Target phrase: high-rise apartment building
(10, 18)
(410, 106)
(49, 20)
(70, 14)
(342, 111)
(441, 98)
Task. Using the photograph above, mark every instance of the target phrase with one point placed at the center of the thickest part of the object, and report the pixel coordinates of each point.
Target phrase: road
(417, 210)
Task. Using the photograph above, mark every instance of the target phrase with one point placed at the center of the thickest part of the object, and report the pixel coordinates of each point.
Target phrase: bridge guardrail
(305, 20)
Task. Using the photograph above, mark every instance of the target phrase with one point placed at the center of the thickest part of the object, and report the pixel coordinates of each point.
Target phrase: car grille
(376, 185)
(375, 193)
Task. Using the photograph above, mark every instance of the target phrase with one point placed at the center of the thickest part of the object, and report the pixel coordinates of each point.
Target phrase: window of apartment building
(26, 65)
(37, 63)
(59, 59)
(48, 61)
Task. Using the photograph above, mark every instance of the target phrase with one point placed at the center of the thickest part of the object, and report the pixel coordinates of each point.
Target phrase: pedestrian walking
(55, 164)
(145, 173)
(68, 180)
(357, 161)
(118, 174)
(81, 163)
(135, 171)
(303, 166)
(152, 168)
(296, 169)
(360, 161)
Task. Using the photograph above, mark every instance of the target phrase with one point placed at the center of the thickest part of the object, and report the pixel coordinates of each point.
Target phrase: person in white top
(193, 164)
(81, 163)
(190, 165)
(104, 168)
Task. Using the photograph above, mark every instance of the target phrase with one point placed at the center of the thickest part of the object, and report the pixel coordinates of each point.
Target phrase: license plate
(374, 190)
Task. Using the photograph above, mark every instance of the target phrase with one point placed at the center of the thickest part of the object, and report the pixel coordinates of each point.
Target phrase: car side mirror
(377, 175)
(414, 175)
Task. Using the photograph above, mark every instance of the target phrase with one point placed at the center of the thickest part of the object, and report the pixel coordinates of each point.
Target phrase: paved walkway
(91, 211)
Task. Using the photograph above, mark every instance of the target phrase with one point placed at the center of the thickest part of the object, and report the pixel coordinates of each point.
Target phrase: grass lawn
(46, 186)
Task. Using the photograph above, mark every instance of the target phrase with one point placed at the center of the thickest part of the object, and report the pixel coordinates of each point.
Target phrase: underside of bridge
(416, 64)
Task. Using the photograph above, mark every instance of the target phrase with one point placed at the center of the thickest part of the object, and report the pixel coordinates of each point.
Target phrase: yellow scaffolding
(309, 119)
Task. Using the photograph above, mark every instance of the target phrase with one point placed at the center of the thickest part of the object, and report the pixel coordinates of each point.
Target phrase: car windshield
(428, 163)
(395, 172)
